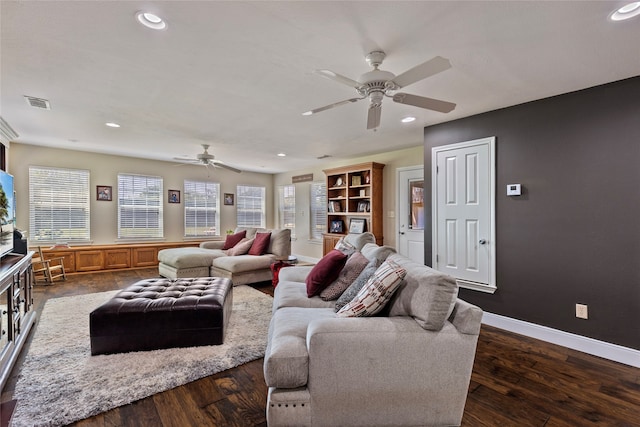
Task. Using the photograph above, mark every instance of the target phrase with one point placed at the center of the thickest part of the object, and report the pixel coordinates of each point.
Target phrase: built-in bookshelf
(354, 201)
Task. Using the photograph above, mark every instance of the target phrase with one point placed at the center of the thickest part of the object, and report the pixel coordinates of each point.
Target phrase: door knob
(482, 242)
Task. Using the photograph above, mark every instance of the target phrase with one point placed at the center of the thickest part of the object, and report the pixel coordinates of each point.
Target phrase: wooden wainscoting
(85, 259)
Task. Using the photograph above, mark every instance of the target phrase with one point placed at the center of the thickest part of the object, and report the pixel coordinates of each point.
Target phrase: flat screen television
(7, 213)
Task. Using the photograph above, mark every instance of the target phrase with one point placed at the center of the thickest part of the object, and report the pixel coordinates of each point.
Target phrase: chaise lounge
(236, 263)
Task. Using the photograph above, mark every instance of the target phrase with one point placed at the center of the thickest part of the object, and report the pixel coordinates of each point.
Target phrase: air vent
(38, 102)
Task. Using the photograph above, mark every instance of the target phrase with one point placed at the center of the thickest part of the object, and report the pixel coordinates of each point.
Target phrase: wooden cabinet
(16, 309)
(354, 195)
(79, 259)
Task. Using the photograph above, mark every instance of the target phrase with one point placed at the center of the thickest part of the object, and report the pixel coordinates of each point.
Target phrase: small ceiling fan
(207, 160)
(377, 84)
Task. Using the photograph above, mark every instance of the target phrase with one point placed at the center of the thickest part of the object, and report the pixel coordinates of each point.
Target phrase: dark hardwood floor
(516, 381)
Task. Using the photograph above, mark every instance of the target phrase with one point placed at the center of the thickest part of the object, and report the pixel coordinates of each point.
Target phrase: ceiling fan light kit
(376, 84)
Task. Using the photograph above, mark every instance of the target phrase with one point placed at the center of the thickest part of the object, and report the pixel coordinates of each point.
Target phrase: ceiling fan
(377, 84)
(207, 160)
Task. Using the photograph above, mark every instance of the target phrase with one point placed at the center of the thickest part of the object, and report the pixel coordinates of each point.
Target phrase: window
(140, 207)
(201, 208)
(59, 202)
(287, 207)
(250, 206)
(318, 210)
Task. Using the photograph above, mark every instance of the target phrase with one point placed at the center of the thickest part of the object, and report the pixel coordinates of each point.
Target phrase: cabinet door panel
(89, 260)
(117, 258)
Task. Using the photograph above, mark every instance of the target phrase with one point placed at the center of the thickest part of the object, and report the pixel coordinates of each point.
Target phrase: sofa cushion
(352, 269)
(358, 240)
(286, 360)
(376, 293)
(425, 294)
(234, 239)
(325, 272)
(294, 294)
(189, 257)
(260, 244)
(251, 231)
(280, 242)
(357, 284)
(243, 263)
(241, 248)
(379, 253)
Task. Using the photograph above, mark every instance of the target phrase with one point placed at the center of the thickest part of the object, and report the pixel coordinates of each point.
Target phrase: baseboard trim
(606, 350)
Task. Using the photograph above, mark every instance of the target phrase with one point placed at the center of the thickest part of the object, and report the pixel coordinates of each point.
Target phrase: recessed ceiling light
(151, 20)
(408, 119)
(307, 113)
(627, 11)
(282, 155)
(112, 125)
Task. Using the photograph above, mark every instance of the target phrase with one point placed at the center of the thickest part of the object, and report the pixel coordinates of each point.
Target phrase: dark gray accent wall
(574, 234)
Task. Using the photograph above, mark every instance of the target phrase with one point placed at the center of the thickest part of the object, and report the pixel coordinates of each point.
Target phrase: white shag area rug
(61, 382)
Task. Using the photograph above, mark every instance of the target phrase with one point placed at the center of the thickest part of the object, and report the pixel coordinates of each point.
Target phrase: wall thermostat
(513, 190)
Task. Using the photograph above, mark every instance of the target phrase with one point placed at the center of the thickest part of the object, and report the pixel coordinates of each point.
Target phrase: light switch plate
(513, 190)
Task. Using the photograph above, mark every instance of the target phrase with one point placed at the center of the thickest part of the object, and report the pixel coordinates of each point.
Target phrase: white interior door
(411, 217)
(464, 199)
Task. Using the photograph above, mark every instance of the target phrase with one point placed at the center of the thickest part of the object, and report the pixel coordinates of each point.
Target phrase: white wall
(392, 160)
(104, 170)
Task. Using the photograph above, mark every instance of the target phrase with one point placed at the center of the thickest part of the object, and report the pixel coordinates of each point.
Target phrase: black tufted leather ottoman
(162, 313)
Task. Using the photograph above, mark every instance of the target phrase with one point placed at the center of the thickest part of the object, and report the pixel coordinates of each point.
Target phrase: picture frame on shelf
(364, 206)
(337, 226)
(357, 225)
(356, 180)
(174, 196)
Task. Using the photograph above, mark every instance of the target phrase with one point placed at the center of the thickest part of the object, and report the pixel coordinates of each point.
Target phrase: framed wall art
(104, 193)
(228, 199)
(174, 196)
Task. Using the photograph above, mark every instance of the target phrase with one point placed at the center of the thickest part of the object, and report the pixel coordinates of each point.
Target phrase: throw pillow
(260, 244)
(325, 272)
(234, 239)
(345, 247)
(352, 269)
(241, 248)
(357, 284)
(374, 295)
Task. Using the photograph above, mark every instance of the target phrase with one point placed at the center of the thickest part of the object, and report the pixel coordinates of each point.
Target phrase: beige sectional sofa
(211, 260)
(408, 366)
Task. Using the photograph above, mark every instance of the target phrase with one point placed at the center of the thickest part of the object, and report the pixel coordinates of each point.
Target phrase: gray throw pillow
(357, 284)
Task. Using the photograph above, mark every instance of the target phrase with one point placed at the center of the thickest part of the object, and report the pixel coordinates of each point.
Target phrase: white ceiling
(237, 75)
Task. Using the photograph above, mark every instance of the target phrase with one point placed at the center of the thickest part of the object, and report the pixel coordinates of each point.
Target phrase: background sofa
(408, 367)
(211, 260)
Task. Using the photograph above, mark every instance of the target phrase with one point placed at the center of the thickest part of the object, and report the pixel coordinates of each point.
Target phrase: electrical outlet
(582, 311)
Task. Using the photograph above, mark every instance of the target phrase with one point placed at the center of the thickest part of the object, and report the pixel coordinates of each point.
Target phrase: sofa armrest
(391, 361)
(212, 244)
(295, 273)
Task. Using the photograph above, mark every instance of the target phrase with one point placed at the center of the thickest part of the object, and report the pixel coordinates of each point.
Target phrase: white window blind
(318, 205)
(287, 207)
(250, 209)
(59, 205)
(140, 207)
(201, 208)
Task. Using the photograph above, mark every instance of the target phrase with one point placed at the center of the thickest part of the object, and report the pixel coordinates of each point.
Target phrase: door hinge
(437, 169)
(437, 258)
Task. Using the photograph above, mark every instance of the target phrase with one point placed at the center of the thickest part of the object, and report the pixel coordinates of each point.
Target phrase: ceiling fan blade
(222, 165)
(186, 159)
(422, 71)
(327, 107)
(424, 102)
(338, 78)
(373, 118)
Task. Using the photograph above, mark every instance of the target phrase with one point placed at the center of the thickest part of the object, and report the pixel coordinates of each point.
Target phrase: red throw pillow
(234, 239)
(325, 272)
(260, 244)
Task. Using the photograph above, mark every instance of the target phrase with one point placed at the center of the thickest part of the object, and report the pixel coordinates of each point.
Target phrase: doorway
(411, 214)
(464, 212)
